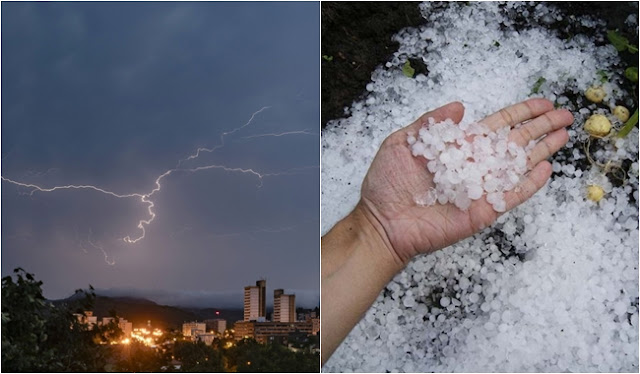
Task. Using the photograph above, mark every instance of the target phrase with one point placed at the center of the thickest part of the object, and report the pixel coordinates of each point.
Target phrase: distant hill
(231, 315)
(139, 311)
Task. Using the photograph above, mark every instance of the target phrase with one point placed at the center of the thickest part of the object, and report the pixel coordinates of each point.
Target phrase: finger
(544, 124)
(547, 146)
(514, 114)
(453, 111)
(531, 184)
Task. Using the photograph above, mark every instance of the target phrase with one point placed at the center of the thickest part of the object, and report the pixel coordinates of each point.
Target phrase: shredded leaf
(618, 41)
(603, 76)
(631, 74)
(327, 58)
(407, 70)
(537, 85)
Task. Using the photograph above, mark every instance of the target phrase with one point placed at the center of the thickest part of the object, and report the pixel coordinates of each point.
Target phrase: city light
(146, 337)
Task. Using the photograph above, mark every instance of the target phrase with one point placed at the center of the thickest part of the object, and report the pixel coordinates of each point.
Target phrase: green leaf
(327, 58)
(628, 126)
(603, 76)
(496, 43)
(618, 41)
(537, 85)
(632, 48)
(407, 70)
(631, 73)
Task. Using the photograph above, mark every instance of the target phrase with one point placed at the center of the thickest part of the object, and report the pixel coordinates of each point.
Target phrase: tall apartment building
(255, 301)
(284, 307)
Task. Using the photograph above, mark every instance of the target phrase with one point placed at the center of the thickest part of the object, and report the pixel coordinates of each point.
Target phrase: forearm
(356, 265)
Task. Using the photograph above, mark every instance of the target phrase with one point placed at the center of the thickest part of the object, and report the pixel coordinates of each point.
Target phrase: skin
(363, 251)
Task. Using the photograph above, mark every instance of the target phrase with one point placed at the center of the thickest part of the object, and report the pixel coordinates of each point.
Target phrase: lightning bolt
(104, 253)
(82, 248)
(292, 171)
(209, 150)
(146, 197)
(35, 188)
(150, 204)
(80, 242)
(302, 132)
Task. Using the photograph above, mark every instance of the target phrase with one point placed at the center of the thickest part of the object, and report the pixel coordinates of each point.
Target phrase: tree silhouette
(40, 337)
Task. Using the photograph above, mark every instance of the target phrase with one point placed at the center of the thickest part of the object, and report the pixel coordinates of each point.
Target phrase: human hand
(395, 177)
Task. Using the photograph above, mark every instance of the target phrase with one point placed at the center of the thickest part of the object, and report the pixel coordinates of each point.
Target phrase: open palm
(396, 177)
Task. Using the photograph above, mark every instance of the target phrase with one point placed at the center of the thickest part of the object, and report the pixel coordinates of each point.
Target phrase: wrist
(375, 239)
(356, 266)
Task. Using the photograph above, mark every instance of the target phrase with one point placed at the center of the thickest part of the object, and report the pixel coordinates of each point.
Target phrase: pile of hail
(552, 285)
(468, 161)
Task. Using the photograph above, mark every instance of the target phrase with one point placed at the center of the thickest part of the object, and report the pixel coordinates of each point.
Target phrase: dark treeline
(38, 336)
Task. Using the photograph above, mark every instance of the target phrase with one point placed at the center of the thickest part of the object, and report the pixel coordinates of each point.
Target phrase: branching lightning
(94, 245)
(35, 188)
(146, 197)
(99, 247)
(301, 132)
(80, 242)
(209, 150)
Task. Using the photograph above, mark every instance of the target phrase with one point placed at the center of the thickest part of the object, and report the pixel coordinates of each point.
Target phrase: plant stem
(628, 126)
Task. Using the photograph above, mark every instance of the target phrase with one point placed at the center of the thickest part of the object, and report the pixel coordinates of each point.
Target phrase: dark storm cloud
(113, 95)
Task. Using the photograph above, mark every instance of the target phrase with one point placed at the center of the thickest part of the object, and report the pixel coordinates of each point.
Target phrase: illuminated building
(217, 325)
(91, 319)
(255, 305)
(190, 329)
(307, 314)
(265, 331)
(284, 307)
(126, 327)
(316, 325)
(243, 330)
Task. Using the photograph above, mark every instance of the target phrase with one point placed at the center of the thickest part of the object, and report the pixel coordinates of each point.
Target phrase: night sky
(115, 94)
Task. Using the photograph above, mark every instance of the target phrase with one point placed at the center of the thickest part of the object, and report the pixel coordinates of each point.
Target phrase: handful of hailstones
(468, 161)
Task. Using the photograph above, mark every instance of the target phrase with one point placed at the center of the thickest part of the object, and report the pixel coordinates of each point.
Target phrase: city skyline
(149, 152)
